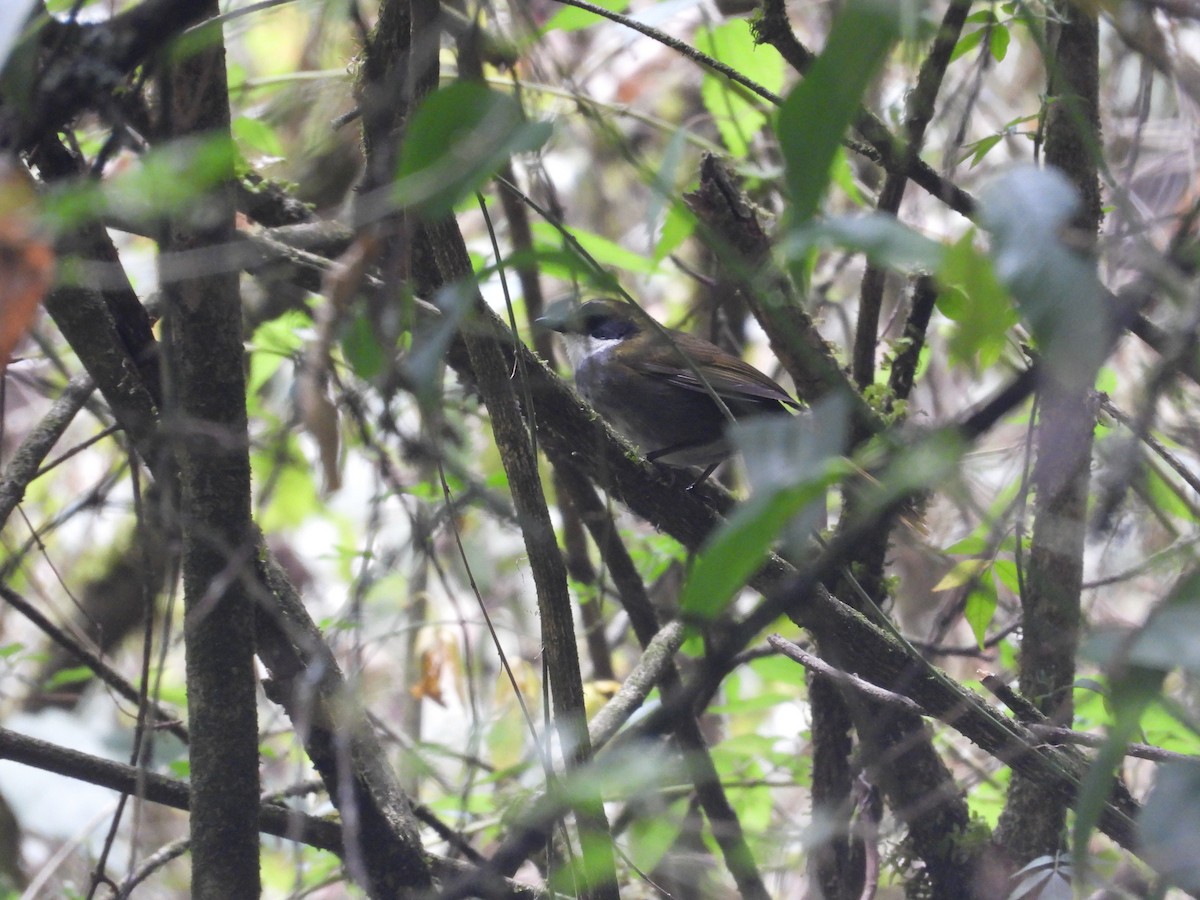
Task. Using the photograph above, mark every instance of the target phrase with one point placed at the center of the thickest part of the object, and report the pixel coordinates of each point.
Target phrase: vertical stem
(1030, 827)
(206, 420)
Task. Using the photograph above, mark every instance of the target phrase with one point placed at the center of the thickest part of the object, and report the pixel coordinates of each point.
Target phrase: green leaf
(427, 359)
(677, 227)
(967, 43)
(650, 837)
(361, 347)
(980, 608)
(561, 262)
(962, 573)
(924, 464)
(457, 139)
(1106, 380)
(791, 462)
(294, 495)
(843, 177)
(1168, 639)
(989, 797)
(64, 677)
(973, 298)
(816, 114)
(1001, 37)
(971, 544)
(980, 148)
(257, 135)
(1132, 693)
(572, 18)
(1166, 731)
(601, 249)
(1161, 494)
(273, 342)
(1006, 571)
(738, 548)
(663, 194)
(1138, 666)
(737, 115)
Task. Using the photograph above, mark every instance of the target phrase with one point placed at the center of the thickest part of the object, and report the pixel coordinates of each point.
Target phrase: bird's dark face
(656, 386)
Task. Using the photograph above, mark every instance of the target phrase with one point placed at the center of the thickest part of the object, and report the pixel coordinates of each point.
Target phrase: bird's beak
(558, 316)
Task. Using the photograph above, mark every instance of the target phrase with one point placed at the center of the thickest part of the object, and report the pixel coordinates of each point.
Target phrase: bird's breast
(653, 413)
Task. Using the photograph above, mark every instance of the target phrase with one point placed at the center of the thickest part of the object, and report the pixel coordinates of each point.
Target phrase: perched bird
(654, 386)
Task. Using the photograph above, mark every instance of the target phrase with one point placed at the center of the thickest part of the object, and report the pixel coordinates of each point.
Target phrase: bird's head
(596, 326)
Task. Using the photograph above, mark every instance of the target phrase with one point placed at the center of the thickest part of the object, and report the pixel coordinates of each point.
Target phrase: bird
(656, 385)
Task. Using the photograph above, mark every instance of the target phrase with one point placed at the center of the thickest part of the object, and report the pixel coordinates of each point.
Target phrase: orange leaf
(26, 259)
(430, 685)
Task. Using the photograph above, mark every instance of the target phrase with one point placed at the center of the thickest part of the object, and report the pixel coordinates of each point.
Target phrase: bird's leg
(667, 451)
(703, 476)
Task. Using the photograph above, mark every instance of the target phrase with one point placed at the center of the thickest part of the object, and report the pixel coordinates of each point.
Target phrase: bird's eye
(606, 328)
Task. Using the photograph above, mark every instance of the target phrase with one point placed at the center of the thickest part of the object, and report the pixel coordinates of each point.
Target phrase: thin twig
(1054, 734)
(655, 660)
(814, 664)
(26, 462)
(168, 720)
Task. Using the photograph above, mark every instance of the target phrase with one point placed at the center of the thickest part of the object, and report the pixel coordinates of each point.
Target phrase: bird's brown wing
(728, 376)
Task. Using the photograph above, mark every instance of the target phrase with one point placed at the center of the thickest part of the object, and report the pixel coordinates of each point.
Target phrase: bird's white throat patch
(583, 346)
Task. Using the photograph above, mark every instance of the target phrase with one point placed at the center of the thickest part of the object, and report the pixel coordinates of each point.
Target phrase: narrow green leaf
(816, 114)
(966, 44)
(650, 837)
(165, 180)
(663, 189)
(982, 147)
(963, 572)
(65, 677)
(739, 547)
(601, 249)
(982, 17)
(1163, 497)
(677, 227)
(843, 177)
(1139, 667)
(1132, 694)
(791, 462)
